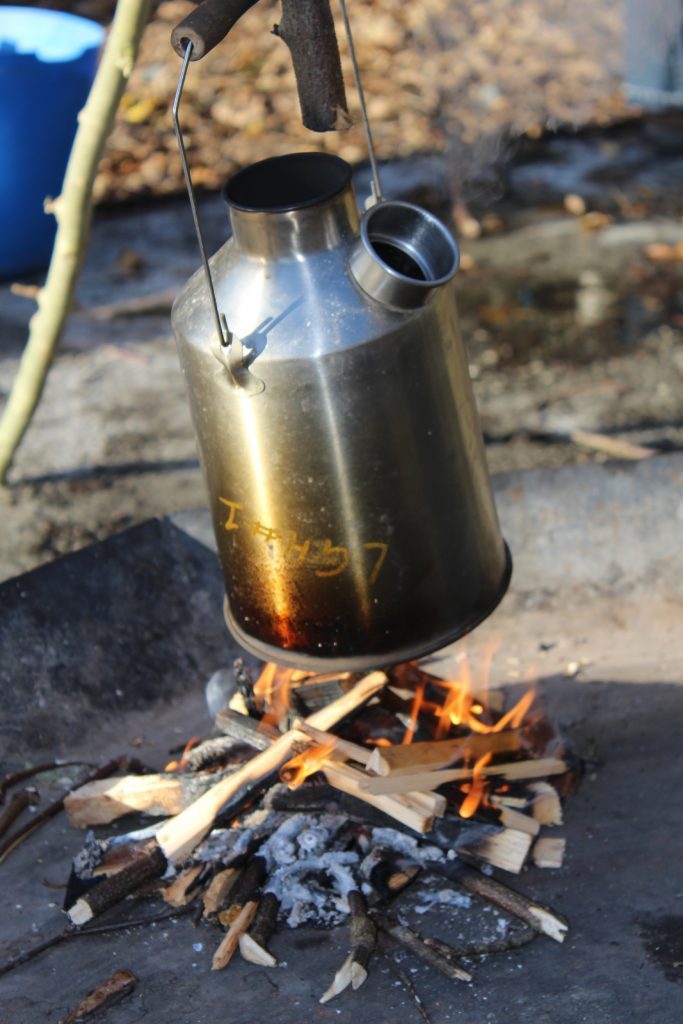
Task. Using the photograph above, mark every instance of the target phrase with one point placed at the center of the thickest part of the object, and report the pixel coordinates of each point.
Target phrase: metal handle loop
(224, 337)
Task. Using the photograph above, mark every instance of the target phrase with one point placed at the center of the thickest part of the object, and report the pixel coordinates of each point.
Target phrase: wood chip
(507, 849)
(225, 951)
(549, 853)
(119, 985)
(177, 894)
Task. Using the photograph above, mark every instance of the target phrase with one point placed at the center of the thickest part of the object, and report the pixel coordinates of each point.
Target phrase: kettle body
(337, 430)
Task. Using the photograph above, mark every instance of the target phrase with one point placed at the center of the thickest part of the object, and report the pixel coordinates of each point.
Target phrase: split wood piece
(517, 803)
(413, 942)
(548, 853)
(347, 750)
(512, 818)
(349, 780)
(401, 879)
(507, 849)
(20, 801)
(217, 892)
(98, 803)
(542, 918)
(116, 887)
(427, 756)
(179, 893)
(432, 780)
(244, 890)
(178, 837)
(363, 939)
(244, 729)
(254, 943)
(225, 951)
(432, 803)
(53, 809)
(111, 991)
(547, 806)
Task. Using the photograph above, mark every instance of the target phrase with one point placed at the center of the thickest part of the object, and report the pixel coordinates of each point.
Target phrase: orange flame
(177, 766)
(306, 763)
(475, 789)
(271, 691)
(414, 712)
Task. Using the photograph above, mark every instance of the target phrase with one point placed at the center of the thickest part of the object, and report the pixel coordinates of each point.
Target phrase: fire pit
(611, 695)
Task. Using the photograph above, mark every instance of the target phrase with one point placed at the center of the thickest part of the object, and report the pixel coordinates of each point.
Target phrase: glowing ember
(177, 766)
(306, 763)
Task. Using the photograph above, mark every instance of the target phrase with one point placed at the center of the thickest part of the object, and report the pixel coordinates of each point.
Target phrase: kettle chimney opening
(284, 183)
(404, 253)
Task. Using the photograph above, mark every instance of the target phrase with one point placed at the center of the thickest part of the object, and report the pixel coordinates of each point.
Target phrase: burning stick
(353, 971)
(179, 836)
(253, 944)
(417, 945)
(243, 729)
(409, 758)
(432, 780)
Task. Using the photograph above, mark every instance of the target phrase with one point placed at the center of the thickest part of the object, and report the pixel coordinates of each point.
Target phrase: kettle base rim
(365, 663)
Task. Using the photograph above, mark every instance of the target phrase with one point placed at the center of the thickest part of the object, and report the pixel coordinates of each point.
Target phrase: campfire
(320, 799)
(323, 797)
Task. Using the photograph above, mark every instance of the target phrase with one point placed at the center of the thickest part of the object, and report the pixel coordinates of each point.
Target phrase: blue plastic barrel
(47, 65)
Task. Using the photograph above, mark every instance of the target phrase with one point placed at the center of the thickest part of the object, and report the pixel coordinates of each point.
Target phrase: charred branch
(116, 887)
(414, 943)
(536, 915)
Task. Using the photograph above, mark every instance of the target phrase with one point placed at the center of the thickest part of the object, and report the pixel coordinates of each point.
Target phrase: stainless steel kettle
(337, 429)
(336, 422)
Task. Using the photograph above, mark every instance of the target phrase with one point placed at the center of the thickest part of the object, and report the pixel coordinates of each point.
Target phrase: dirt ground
(572, 321)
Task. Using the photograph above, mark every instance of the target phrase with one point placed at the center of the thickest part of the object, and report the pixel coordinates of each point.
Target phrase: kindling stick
(178, 837)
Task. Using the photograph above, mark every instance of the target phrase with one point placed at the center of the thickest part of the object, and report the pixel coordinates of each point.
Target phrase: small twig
(363, 939)
(13, 778)
(53, 809)
(20, 801)
(101, 929)
(415, 944)
(406, 981)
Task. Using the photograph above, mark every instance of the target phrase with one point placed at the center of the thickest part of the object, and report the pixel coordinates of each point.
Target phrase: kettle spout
(403, 255)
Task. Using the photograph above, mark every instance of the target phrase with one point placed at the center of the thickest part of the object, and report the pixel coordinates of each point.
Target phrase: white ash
(442, 898)
(224, 844)
(305, 898)
(406, 845)
(300, 835)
